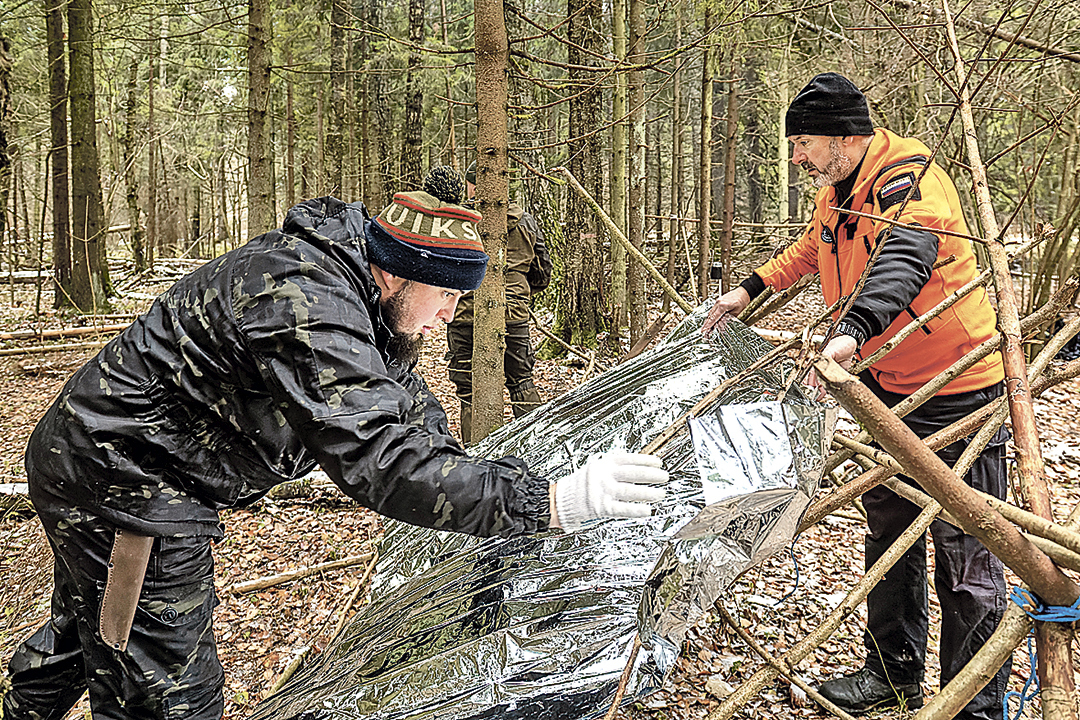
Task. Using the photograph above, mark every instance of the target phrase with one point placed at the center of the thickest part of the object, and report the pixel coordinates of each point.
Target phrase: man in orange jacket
(877, 173)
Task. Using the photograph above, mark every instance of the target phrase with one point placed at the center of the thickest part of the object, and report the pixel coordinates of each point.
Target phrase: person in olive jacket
(294, 350)
(528, 271)
(924, 260)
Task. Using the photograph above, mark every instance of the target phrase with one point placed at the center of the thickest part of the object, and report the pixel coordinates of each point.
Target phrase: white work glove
(616, 484)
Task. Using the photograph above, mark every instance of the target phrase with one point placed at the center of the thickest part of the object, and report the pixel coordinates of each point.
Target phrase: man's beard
(402, 347)
(836, 170)
(405, 348)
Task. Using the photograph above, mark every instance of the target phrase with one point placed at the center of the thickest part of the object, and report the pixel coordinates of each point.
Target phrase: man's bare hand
(841, 349)
(726, 307)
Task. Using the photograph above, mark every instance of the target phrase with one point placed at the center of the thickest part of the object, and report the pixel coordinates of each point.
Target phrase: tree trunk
(412, 141)
(619, 144)
(131, 179)
(730, 141)
(581, 297)
(676, 199)
(782, 165)
(152, 225)
(492, 193)
(333, 161)
(5, 153)
(58, 134)
(705, 167)
(290, 132)
(451, 121)
(373, 191)
(751, 114)
(260, 183)
(88, 231)
(635, 282)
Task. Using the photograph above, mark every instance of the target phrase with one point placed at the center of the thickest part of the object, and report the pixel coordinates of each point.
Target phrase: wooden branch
(281, 578)
(764, 676)
(1056, 680)
(1038, 526)
(980, 670)
(589, 358)
(630, 249)
(781, 666)
(960, 429)
(1005, 35)
(777, 301)
(61, 332)
(38, 349)
(934, 312)
(297, 661)
(1035, 320)
(996, 533)
(624, 679)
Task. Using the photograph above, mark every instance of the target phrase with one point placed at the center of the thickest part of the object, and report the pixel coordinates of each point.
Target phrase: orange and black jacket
(903, 283)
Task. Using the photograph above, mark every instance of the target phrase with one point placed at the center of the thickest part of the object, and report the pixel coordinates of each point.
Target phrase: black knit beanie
(829, 105)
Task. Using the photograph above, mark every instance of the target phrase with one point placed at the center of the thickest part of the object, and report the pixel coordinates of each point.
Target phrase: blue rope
(1038, 610)
(791, 551)
(1024, 696)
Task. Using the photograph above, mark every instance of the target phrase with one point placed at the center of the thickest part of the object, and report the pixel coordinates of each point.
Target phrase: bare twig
(781, 666)
(281, 578)
(630, 249)
(760, 679)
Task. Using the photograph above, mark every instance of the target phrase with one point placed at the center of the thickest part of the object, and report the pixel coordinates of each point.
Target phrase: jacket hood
(339, 229)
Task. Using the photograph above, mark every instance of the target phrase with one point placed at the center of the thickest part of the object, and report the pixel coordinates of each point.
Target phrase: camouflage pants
(169, 668)
(518, 364)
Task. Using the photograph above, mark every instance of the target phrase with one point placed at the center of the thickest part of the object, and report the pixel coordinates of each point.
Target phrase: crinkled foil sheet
(542, 627)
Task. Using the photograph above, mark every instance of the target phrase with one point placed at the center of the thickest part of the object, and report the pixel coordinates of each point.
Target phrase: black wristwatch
(851, 329)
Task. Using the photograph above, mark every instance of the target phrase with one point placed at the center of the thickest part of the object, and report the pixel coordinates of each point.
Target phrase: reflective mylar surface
(542, 627)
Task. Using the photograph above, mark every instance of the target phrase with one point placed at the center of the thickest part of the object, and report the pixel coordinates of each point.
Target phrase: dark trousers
(518, 361)
(969, 580)
(169, 668)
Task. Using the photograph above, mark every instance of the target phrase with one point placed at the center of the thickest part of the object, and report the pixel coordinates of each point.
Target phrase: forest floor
(260, 633)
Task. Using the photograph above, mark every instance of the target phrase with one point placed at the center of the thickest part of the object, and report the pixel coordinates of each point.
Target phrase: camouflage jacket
(249, 372)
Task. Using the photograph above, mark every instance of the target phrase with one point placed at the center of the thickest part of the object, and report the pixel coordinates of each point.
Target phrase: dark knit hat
(445, 183)
(829, 105)
(421, 237)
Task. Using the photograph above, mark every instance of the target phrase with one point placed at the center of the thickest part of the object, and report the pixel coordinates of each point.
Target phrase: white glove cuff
(572, 499)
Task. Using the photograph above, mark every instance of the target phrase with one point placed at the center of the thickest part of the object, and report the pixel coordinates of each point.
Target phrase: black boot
(864, 690)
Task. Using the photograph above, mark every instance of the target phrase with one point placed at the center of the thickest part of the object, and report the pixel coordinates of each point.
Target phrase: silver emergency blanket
(542, 627)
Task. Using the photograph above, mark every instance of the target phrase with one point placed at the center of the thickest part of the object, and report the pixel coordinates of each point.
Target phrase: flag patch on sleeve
(896, 191)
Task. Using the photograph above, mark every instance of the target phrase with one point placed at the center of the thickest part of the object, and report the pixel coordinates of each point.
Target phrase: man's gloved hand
(616, 484)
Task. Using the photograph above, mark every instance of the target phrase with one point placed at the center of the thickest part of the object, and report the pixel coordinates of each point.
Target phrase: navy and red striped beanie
(422, 238)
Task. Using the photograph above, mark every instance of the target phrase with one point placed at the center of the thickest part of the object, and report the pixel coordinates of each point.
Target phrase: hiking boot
(864, 690)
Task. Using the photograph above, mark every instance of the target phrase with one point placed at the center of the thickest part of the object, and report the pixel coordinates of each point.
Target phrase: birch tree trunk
(492, 198)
